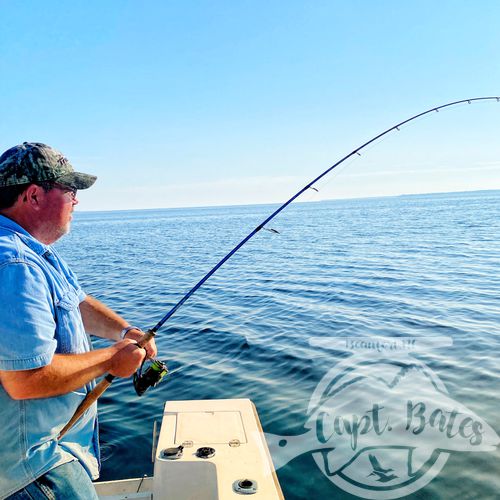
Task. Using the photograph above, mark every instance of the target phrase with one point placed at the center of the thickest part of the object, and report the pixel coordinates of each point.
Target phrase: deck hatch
(211, 427)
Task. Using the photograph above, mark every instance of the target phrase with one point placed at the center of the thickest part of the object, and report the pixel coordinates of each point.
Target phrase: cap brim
(77, 180)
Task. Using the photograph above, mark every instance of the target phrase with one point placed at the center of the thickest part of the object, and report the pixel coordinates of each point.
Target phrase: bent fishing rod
(108, 379)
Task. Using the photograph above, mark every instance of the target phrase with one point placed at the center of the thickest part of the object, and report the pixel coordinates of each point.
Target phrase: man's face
(56, 207)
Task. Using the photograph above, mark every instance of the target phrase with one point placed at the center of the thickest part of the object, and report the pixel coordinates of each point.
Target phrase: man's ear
(32, 195)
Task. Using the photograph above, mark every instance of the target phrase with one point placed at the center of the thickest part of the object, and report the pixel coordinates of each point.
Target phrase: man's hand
(136, 334)
(128, 358)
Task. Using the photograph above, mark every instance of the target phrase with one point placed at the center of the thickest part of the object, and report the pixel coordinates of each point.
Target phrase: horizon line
(295, 202)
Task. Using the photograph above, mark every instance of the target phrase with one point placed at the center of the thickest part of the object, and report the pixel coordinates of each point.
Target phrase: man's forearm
(66, 373)
(69, 372)
(100, 320)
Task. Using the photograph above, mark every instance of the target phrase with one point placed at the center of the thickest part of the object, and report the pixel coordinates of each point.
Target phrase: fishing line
(340, 169)
(108, 379)
(314, 192)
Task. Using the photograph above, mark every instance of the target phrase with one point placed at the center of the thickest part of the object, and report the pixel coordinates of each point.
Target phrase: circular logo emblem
(371, 410)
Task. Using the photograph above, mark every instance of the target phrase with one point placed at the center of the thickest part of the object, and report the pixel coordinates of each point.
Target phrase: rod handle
(146, 338)
(89, 400)
(98, 390)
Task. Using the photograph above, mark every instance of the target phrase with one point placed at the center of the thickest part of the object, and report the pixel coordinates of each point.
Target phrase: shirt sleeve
(27, 324)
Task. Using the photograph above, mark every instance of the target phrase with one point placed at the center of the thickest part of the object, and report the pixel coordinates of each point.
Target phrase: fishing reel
(151, 377)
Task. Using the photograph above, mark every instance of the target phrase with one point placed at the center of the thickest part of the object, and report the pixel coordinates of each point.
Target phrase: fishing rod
(158, 370)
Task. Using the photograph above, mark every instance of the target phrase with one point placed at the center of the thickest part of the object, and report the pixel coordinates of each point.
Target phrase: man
(47, 365)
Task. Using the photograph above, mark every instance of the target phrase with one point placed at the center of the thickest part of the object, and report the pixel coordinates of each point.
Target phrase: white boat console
(206, 450)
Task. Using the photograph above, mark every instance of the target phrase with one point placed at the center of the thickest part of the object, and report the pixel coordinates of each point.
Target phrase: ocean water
(260, 328)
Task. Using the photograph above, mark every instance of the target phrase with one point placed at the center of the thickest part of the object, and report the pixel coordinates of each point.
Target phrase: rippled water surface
(418, 266)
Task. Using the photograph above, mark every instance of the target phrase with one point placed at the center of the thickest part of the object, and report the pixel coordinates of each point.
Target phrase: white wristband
(127, 329)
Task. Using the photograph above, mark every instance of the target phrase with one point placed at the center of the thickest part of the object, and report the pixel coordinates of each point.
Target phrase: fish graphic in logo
(382, 425)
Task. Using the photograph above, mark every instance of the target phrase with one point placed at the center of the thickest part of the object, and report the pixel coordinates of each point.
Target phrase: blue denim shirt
(39, 317)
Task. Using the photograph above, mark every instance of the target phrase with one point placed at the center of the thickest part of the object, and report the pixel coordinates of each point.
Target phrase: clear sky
(194, 103)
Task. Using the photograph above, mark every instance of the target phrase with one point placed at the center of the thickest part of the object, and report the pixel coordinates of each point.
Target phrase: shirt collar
(35, 245)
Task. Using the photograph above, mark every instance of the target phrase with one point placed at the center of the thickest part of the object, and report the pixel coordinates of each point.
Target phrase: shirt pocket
(69, 327)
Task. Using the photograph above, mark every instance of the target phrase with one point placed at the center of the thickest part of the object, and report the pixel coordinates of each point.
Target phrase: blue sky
(194, 103)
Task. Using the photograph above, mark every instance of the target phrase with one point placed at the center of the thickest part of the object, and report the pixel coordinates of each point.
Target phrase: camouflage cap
(33, 162)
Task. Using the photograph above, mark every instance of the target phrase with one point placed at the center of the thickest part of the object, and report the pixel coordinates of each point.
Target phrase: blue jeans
(66, 482)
